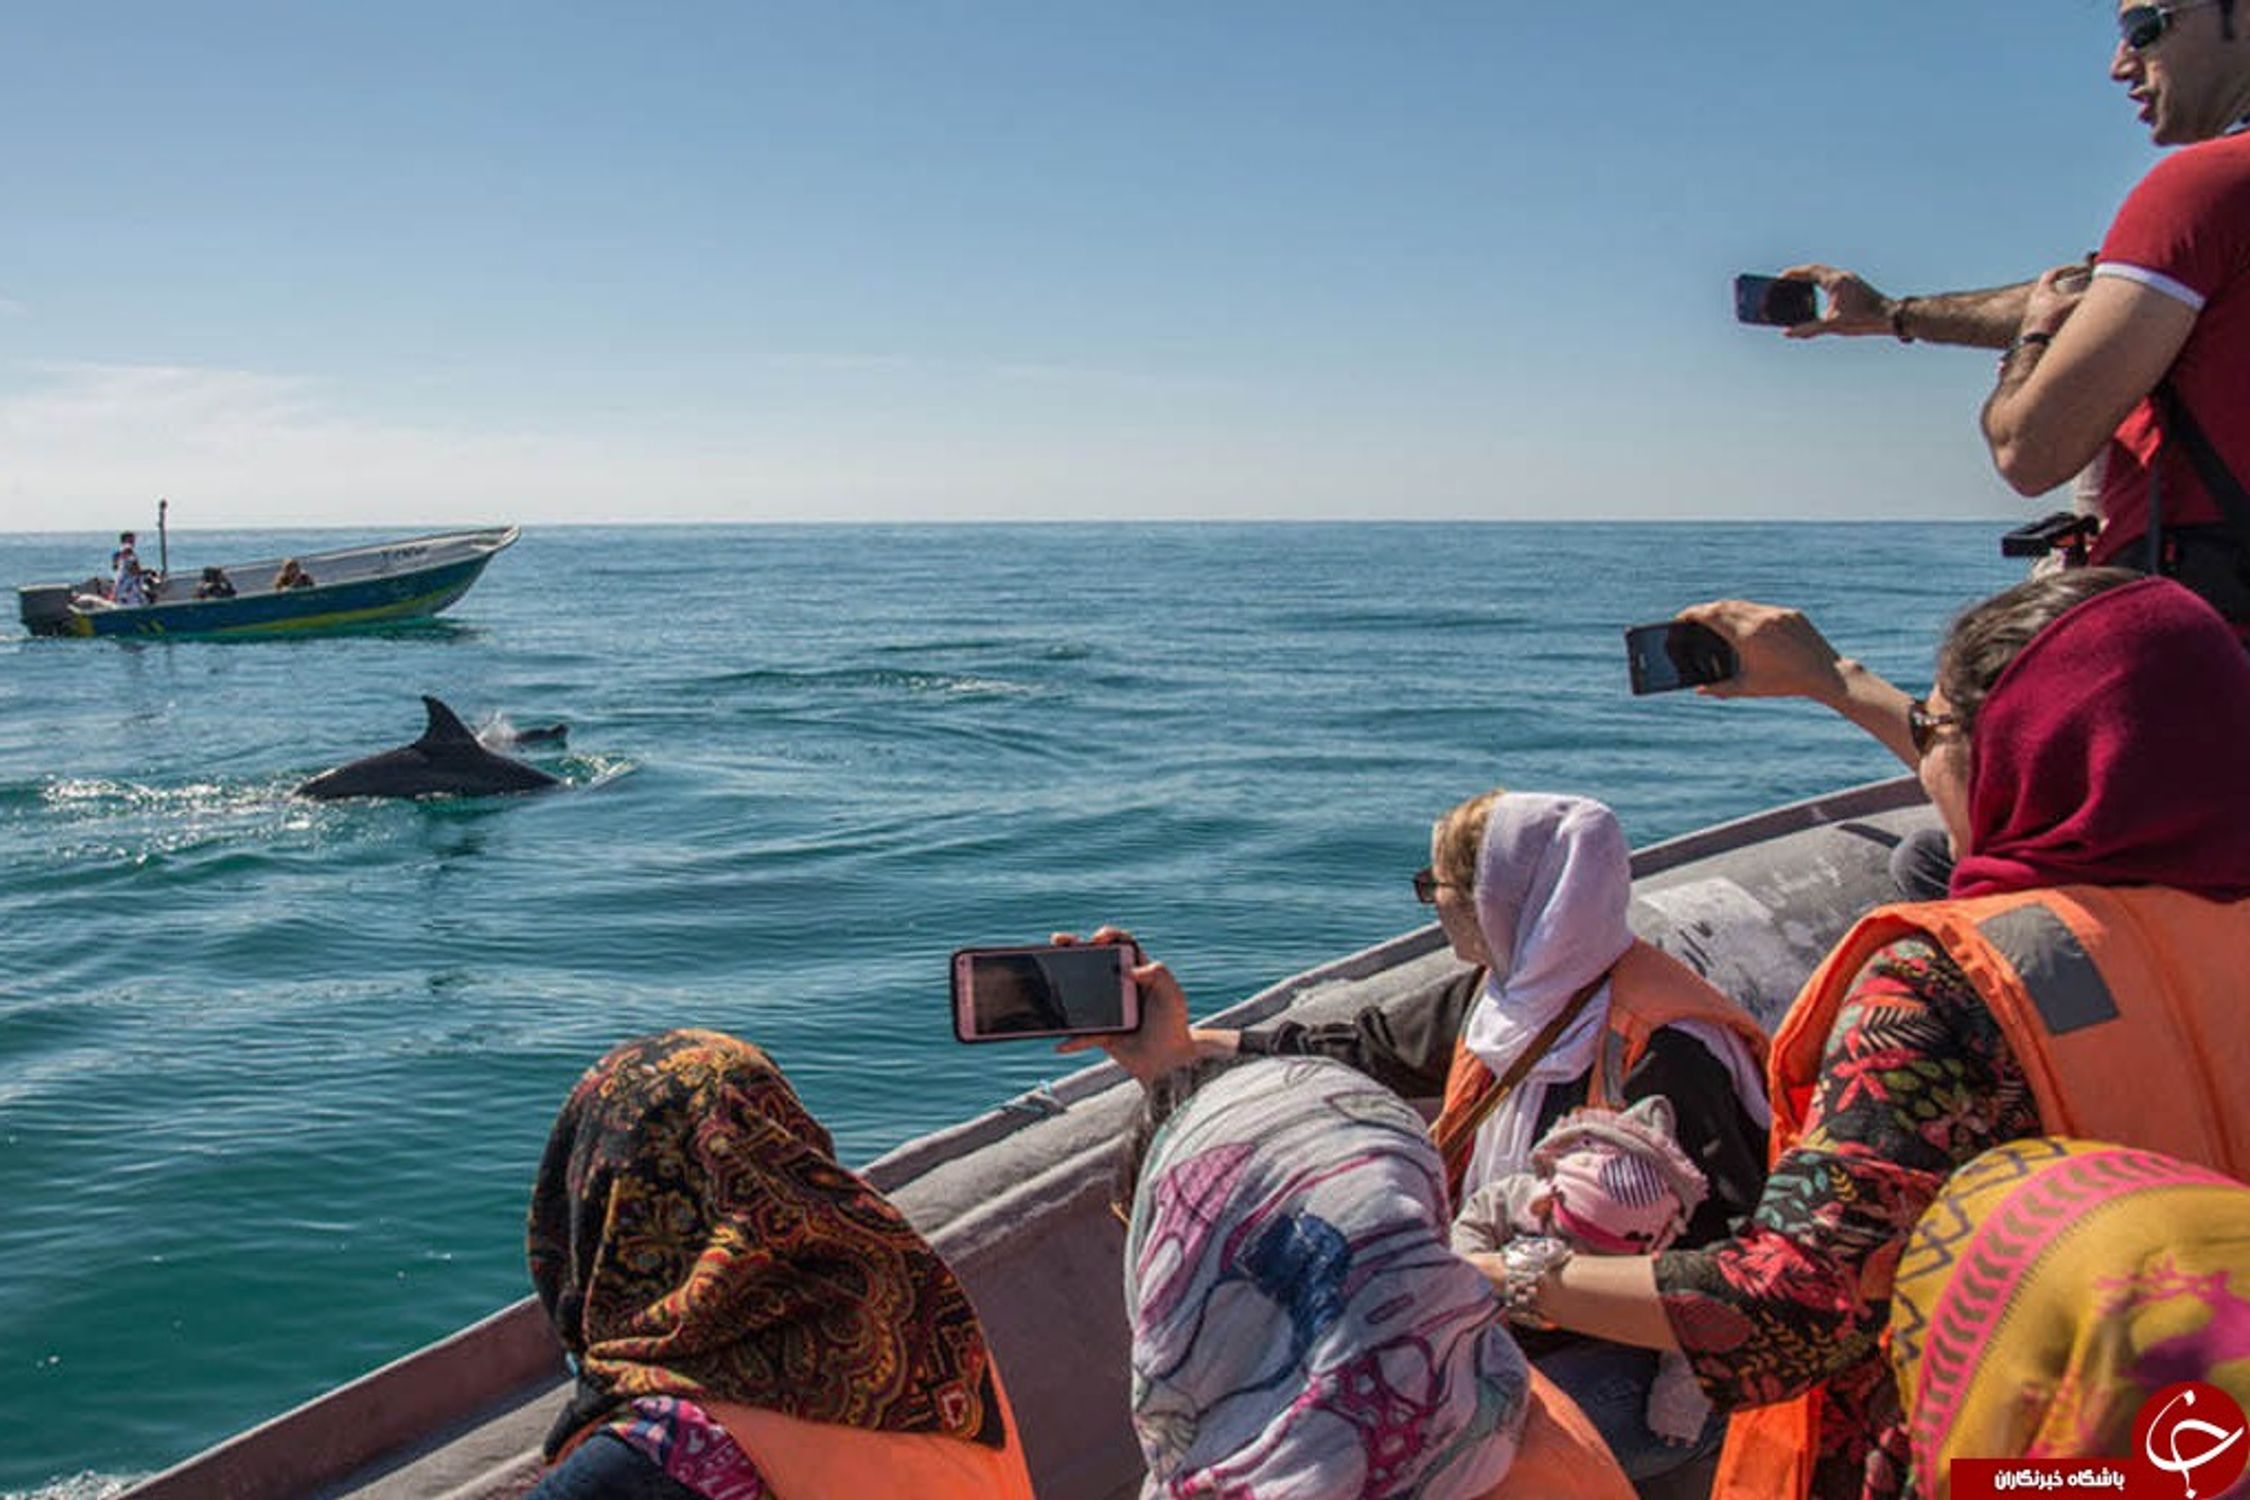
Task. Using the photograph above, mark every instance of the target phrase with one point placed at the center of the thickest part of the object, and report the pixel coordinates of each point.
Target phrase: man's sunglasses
(1922, 725)
(2143, 26)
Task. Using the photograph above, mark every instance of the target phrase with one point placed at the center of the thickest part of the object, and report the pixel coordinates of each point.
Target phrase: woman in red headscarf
(2084, 746)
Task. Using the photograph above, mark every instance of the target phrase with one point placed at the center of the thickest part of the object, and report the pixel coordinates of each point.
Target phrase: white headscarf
(1554, 877)
(1300, 1327)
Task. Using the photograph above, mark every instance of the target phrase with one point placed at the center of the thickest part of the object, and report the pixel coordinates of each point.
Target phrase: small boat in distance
(372, 584)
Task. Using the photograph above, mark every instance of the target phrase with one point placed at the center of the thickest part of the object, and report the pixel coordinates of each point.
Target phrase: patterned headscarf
(692, 1235)
(2053, 1287)
(1299, 1325)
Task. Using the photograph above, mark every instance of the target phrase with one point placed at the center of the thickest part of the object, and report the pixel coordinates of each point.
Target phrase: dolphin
(494, 736)
(446, 761)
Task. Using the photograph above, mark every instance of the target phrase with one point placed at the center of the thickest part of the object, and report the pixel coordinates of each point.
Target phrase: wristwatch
(1526, 1262)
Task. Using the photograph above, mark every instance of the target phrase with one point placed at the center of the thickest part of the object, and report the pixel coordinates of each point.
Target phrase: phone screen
(1081, 990)
(1770, 300)
(1676, 654)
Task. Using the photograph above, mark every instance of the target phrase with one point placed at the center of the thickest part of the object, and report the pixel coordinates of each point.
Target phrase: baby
(1607, 1183)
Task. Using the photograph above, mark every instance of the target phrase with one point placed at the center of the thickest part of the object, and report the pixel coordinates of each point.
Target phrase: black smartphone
(1084, 989)
(1673, 654)
(1769, 299)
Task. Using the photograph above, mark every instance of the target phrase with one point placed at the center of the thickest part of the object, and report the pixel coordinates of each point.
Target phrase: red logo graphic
(2195, 1432)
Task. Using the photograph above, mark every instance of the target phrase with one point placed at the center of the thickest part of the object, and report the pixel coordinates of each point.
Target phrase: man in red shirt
(2139, 374)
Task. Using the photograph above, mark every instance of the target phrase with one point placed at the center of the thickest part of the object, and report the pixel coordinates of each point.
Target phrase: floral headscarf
(1299, 1325)
(692, 1235)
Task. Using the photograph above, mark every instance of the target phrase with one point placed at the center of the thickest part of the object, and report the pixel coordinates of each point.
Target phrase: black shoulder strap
(2218, 480)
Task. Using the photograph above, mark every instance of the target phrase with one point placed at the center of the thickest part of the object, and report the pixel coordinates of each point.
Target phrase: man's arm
(2080, 363)
(1985, 319)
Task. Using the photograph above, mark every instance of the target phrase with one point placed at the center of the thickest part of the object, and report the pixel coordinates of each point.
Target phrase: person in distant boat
(215, 585)
(1299, 1324)
(292, 576)
(745, 1317)
(128, 579)
(1563, 1007)
(2083, 978)
(2143, 371)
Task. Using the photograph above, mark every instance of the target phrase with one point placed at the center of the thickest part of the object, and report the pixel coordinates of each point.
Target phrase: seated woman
(2083, 746)
(746, 1317)
(215, 585)
(1299, 1325)
(292, 576)
(1565, 1007)
(2053, 1289)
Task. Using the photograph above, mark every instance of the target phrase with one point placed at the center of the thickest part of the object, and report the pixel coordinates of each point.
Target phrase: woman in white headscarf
(1572, 1008)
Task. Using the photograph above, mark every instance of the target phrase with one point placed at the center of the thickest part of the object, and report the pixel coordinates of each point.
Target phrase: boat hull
(377, 593)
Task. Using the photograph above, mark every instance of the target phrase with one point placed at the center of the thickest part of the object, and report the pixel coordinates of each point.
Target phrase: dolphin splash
(447, 761)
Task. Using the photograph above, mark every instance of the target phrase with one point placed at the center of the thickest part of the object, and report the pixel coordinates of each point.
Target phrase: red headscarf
(2115, 750)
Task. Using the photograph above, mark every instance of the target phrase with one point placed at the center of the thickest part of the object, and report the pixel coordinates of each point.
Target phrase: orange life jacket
(802, 1460)
(1561, 1455)
(1649, 990)
(2123, 1006)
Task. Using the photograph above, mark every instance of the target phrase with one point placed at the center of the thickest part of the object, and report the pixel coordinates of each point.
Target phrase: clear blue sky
(359, 264)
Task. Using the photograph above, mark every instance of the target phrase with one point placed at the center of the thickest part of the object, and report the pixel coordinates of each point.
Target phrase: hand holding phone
(1674, 654)
(1775, 301)
(1055, 989)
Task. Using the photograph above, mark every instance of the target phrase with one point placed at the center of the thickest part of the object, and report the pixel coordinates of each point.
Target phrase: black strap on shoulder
(2218, 480)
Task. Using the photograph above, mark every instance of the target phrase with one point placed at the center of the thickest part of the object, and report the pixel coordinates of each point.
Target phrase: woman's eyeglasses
(1922, 725)
(2143, 26)
(1427, 885)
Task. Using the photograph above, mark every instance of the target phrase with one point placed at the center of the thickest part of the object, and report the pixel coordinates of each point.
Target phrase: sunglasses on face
(1922, 725)
(2143, 26)
(1427, 885)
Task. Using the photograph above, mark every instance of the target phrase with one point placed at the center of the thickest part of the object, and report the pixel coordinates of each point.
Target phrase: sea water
(275, 1075)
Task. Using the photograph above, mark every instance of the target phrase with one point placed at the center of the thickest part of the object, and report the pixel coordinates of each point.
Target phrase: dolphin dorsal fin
(445, 726)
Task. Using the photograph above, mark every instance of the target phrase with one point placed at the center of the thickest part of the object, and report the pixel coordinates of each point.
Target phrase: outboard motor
(45, 608)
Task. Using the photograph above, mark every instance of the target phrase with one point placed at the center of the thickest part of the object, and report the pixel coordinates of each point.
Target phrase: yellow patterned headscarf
(2052, 1288)
(691, 1234)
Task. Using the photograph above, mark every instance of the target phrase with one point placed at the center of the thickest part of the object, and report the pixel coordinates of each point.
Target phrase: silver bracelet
(1527, 1262)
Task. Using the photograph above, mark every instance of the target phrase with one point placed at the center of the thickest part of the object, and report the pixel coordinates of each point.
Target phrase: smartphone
(1769, 299)
(1086, 989)
(1673, 654)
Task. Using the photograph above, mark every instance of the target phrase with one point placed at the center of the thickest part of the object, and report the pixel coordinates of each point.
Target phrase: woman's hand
(1164, 1041)
(1778, 653)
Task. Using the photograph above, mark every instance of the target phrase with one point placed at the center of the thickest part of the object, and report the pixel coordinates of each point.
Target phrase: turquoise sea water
(274, 1075)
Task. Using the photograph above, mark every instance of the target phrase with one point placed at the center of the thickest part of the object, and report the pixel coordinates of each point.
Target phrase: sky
(321, 263)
